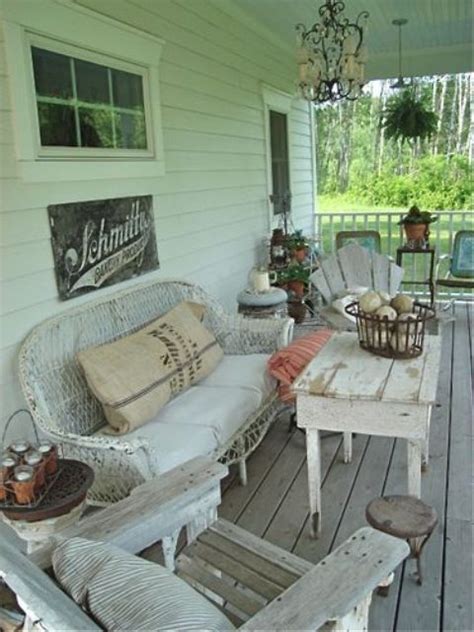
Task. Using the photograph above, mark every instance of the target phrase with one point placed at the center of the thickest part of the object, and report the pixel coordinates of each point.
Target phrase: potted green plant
(297, 244)
(416, 223)
(408, 117)
(295, 278)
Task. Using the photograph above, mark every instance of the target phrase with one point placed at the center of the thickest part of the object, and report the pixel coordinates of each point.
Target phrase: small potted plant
(295, 278)
(297, 244)
(416, 224)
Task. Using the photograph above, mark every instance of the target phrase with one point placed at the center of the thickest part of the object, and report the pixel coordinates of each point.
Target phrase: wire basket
(43, 475)
(401, 338)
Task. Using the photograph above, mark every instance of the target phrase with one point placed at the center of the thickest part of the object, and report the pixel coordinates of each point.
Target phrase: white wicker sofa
(65, 409)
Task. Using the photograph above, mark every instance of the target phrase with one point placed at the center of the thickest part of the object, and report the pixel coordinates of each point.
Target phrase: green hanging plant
(408, 117)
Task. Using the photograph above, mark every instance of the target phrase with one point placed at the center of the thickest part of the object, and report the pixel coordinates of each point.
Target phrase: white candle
(261, 282)
(350, 45)
(363, 55)
(302, 55)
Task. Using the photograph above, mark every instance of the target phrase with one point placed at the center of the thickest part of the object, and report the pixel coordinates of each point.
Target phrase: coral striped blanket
(286, 364)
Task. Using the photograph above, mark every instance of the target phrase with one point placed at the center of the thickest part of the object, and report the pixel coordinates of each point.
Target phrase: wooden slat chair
(353, 266)
(257, 584)
(368, 239)
(460, 274)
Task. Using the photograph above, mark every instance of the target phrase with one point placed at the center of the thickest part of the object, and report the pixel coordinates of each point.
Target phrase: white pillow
(125, 592)
(341, 303)
(354, 292)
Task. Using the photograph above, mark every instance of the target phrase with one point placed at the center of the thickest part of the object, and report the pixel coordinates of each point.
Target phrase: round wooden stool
(404, 517)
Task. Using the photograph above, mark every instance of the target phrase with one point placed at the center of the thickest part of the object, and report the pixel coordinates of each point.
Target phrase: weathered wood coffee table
(347, 389)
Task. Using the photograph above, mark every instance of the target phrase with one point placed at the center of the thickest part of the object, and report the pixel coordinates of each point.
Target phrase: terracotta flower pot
(297, 287)
(415, 232)
(297, 310)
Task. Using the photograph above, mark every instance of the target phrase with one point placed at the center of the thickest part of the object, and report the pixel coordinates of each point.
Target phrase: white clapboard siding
(211, 206)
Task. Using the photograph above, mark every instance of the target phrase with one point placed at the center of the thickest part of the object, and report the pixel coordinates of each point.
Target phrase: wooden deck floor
(274, 505)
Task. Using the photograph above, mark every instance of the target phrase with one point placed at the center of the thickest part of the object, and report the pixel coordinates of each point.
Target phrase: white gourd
(386, 298)
(403, 323)
(370, 302)
(402, 303)
(399, 341)
(387, 311)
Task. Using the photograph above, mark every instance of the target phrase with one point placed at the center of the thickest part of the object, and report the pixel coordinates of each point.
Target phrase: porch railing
(392, 235)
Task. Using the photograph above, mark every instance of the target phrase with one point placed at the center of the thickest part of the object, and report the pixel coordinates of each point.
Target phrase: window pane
(57, 125)
(96, 127)
(280, 162)
(130, 130)
(92, 82)
(127, 89)
(278, 135)
(52, 74)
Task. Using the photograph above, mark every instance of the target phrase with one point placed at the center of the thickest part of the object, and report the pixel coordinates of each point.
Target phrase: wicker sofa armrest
(239, 335)
(336, 588)
(98, 442)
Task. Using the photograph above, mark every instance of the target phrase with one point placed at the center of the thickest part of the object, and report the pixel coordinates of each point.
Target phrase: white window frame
(278, 101)
(68, 29)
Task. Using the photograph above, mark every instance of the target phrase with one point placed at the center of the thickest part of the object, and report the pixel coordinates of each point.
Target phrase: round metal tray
(68, 491)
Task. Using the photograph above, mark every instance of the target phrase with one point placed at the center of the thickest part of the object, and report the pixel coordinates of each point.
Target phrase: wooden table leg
(313, 450)
(347, 447)
(414, 467)
(426, 444)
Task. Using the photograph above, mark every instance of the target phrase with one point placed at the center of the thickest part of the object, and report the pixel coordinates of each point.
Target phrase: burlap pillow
(137, 375)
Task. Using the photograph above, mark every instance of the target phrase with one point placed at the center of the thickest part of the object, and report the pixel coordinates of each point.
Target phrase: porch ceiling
(436, 40)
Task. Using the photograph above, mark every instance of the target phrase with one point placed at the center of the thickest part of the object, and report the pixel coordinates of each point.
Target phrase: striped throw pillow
(125, 592)
(286, 364)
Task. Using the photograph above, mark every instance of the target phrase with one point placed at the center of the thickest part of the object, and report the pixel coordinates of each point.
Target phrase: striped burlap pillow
(124, 592)
(137, 375)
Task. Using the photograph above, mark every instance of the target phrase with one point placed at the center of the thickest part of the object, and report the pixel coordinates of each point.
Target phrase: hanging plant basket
(407, 117)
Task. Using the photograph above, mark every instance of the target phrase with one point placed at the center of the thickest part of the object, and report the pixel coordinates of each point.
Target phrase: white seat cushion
(203, 418)
(196, 423)
(175, 443)
(243, 371)
(125, 592)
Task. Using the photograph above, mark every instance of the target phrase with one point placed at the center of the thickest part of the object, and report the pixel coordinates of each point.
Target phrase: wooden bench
(221, 560)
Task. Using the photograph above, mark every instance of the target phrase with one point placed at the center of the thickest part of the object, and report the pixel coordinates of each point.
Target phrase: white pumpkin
(402, 303)
(370, 302)
(378, 338)
(400, 342)
(386, 311)
(385, 297)
(403, 323)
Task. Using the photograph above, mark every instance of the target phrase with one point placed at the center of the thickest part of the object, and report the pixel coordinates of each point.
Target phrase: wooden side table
(420, 251)
(346, 389)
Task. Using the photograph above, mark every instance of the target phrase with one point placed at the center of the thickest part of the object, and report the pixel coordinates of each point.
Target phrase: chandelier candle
(331, 55)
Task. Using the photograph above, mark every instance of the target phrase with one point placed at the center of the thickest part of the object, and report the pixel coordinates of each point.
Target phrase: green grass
(416, 266)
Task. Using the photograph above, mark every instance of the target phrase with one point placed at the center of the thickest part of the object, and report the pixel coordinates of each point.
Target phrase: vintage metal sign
(101, 242)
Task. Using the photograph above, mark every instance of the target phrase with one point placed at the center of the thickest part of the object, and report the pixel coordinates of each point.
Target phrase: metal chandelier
(331, 55)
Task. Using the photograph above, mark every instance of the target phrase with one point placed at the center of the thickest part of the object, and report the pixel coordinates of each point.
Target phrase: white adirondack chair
(350, 267)
(287, 592)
